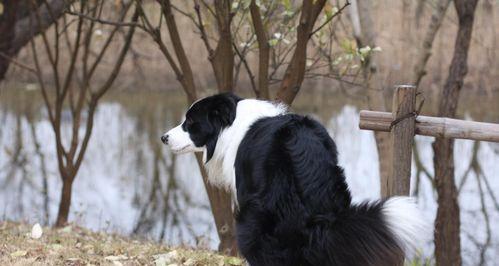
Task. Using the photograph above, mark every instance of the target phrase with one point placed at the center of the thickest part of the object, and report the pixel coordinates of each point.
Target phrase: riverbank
(22, 244)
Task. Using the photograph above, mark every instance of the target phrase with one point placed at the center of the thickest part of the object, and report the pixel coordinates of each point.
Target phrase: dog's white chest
(220, 168)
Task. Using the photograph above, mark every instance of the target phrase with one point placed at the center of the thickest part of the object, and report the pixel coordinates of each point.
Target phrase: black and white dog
(292, 202)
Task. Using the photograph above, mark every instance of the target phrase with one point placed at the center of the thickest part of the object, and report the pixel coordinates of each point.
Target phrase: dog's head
(202, 124)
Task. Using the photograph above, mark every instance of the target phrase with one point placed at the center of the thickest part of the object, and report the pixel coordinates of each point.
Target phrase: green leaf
(348, 46)
(273, 42)
(330, 10)
(246, 3)
(234, 261)
(288, 13)
(287, 4)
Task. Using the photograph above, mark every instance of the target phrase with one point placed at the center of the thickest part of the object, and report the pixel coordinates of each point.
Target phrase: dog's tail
(378, 233)
(406, 223)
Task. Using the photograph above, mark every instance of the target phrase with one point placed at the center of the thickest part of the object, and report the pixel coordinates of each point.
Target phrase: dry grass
(74, 245)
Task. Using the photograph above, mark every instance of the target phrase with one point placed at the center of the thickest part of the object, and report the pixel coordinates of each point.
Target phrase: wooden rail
(403, 124)
(440, 127)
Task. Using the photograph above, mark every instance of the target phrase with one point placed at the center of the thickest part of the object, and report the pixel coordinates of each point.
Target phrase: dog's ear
(224, 111)
(222, 114)
(210, 148)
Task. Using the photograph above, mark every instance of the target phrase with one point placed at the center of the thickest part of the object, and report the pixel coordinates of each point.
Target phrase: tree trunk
(65, 202)
(365, 35)
(425, 51)
(263, 51)
(16, 33)
(7, 22)
(221, 207)
(222, 61)
(223, 57)
(447, 223)
(295, 72)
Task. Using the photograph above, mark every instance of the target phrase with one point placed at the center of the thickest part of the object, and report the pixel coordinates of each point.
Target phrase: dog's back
(295, 207)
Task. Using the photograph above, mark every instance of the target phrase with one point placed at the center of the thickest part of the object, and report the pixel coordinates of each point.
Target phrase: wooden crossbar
(440, 127)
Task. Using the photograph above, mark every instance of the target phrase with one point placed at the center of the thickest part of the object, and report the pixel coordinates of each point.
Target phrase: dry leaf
(115, 258)
(19, 253)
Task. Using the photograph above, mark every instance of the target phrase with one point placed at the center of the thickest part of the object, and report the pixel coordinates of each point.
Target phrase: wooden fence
(404, 122)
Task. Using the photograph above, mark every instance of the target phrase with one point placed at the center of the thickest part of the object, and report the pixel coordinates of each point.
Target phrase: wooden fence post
(401, 138)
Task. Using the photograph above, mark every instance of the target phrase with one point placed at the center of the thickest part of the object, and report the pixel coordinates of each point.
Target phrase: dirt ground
(21, 244)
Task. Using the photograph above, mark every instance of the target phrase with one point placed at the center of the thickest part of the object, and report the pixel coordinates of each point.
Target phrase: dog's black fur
(294, 206)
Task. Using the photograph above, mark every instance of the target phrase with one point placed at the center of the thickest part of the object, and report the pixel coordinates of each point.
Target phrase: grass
(73, 245)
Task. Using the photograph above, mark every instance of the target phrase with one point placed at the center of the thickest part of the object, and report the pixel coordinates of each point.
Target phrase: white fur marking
(406, 223)
(180, 142)
(220, 168)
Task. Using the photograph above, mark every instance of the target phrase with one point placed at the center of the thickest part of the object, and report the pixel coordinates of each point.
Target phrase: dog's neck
(220, 168)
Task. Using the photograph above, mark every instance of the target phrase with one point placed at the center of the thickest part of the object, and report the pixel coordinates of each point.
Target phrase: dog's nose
(164, 139)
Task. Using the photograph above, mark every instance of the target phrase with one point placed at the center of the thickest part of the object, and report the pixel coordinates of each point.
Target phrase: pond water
(131, 184)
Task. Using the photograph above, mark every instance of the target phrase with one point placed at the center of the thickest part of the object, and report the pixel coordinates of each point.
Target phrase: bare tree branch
(425, 51)
(295, 72)
(347, 3)
(107, 22)
(263, 52)
(248, 70)
(187, 76)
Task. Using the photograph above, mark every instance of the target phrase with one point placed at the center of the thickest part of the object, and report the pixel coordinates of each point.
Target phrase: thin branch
(202, 29)
(39, 76)
(72, 61)
(108, 42)
(17, 63)
(156, 35)
(119, 61)
(330, 18)
(107, 22)
(188, 15)
(210, 10)
(485, 246)
(248, 70)
(50, 55)
(473, 165)
(187, 77)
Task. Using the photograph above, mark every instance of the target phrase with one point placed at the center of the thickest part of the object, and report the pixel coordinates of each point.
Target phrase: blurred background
(90, 87)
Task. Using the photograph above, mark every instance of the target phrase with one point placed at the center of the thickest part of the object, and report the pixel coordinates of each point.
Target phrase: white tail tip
(407, 223)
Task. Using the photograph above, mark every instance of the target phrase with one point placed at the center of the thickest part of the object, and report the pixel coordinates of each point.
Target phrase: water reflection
(130, 184)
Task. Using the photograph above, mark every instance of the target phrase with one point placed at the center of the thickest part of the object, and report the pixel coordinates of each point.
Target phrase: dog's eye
(189, 124)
